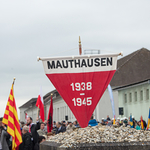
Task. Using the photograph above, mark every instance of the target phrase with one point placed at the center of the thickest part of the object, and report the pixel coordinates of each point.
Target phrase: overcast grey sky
(51, 28)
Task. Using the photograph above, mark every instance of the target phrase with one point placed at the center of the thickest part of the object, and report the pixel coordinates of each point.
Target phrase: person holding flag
(33, 129)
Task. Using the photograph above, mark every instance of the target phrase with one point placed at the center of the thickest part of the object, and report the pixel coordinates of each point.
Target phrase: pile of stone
(100, 134)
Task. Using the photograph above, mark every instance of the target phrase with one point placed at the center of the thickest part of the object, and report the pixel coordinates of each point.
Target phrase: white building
(132, 81)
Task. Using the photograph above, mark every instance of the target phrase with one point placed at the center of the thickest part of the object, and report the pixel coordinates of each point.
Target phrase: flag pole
(14, 80)
(38, 111)
(50, 116)
(80, 48)
(51, 97)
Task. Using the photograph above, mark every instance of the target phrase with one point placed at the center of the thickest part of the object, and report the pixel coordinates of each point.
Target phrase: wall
(104, 107)
(136, 107)
(22, 114)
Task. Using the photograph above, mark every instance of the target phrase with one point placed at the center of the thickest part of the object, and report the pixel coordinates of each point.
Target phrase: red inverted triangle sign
(81, 81)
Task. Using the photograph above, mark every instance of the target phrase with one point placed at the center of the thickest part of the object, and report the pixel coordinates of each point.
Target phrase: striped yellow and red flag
(11, 120)
(5, 118)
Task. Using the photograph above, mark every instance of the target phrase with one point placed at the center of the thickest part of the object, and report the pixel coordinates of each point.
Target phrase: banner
(81, 81)
(112, 101)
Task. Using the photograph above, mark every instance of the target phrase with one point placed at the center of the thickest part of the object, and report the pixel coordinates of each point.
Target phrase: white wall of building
(135, 105)
(104, 107)
(22, 114)
(32, 112)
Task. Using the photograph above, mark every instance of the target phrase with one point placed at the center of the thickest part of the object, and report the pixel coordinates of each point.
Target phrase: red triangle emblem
(81, 81)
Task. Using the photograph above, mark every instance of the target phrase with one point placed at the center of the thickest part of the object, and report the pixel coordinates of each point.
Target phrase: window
(130, 97)
(125, 98)
(58, 114)
(141, 95)
(147, 94)
(135, 96)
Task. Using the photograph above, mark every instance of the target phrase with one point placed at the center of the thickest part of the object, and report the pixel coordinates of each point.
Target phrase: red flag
(50, 117)
(40, 105)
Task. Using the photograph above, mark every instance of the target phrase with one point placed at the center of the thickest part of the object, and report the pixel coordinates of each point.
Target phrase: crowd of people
(124, 121)
(35, 133)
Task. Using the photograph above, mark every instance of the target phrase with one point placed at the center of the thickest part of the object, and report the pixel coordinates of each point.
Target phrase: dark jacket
(26, 142)
(62, 129)
(34, 133)
(36, 147)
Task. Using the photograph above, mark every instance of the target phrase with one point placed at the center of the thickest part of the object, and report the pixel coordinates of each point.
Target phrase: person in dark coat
(108, 119)
(33, 129)
(41, 139)
(60, 128)
(26, 139)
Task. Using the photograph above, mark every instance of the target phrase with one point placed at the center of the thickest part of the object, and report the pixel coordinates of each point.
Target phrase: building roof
(132, 69)
(46, 97)
(29, 103)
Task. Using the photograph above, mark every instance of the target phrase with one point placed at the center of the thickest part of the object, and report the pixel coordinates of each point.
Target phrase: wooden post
(80, 48)
(38, 112)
